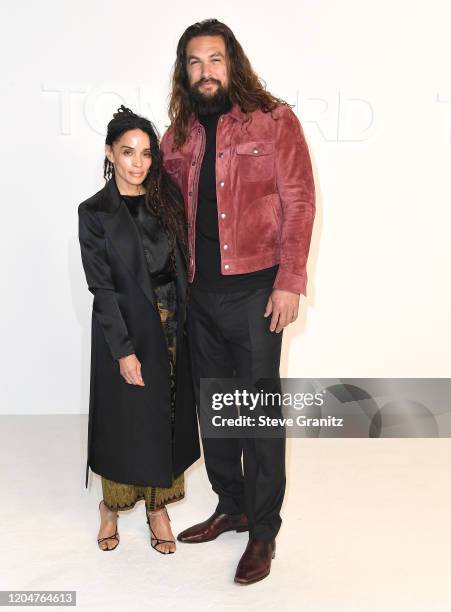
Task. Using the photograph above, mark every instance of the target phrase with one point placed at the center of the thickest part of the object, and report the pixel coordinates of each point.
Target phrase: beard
(209, 104)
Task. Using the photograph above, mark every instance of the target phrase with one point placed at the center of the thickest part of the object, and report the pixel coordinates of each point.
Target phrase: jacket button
(221, 184)
(226, 267)
(193, 163)
(190, 193)
(255, 151)
(225, 247)
(221, 154)
(223, 215)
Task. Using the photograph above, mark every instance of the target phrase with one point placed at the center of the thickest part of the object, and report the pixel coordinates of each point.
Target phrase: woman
(142, 431)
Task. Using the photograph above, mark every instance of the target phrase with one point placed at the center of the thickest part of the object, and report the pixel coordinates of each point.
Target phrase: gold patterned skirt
(122, 496)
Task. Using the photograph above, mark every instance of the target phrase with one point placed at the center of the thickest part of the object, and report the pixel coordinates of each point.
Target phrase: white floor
(366, 528)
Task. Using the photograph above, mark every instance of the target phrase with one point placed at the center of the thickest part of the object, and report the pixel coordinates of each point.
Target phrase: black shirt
(208, 275)
(158, 251)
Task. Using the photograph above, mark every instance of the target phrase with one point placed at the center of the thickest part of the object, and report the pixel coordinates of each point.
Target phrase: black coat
(129, 431)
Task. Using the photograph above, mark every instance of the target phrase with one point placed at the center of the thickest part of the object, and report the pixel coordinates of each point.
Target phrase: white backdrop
(371, 86)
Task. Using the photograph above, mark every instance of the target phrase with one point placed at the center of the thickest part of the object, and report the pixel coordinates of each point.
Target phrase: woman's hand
(130, 367)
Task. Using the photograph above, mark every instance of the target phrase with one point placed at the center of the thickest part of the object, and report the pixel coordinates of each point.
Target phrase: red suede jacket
(265, 192)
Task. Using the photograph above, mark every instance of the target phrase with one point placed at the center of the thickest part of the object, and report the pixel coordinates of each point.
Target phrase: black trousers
(229, 336)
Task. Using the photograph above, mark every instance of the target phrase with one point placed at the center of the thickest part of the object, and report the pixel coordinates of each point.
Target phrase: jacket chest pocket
(255, 160)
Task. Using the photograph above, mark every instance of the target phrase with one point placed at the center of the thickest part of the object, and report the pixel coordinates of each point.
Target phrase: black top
(158, 251)
(208, 275)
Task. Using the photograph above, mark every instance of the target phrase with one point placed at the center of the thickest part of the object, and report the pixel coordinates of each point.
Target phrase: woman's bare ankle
(106, 512)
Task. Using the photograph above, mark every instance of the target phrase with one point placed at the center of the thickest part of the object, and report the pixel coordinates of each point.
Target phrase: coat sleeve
(98, 276)
(165, 145)
(296, 188)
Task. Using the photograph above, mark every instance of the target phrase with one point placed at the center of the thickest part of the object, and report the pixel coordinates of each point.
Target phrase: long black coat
(129, 431)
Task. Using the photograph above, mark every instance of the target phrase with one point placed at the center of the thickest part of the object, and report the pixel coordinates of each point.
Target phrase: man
(241, 161)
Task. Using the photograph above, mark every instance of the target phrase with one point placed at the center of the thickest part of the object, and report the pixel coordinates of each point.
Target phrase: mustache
(206, 80)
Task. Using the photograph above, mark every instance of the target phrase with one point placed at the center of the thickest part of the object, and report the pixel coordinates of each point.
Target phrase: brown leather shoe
(215, 525)
(255, 564)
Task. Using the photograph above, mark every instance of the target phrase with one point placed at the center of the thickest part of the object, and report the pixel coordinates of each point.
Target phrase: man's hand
(284, 306)
(130, 368)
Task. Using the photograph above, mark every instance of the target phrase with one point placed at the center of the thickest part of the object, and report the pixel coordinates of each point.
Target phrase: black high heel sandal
(111, 537)
(159, 540)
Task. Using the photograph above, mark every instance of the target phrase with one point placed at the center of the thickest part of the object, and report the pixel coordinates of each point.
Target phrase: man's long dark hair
(163, 197)
(245, 87)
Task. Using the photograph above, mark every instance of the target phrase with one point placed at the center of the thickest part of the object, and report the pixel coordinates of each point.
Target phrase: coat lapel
(125, 237)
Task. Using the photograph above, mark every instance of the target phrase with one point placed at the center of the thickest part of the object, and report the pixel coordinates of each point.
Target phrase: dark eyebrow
(127, 147)
(190, 57)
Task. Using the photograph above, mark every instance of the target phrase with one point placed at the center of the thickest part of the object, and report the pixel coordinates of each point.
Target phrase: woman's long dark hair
(245, 87)
(163, 197)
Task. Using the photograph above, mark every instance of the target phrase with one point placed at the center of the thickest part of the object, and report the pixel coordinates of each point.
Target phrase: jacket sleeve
(98, 275)
(296, 189)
